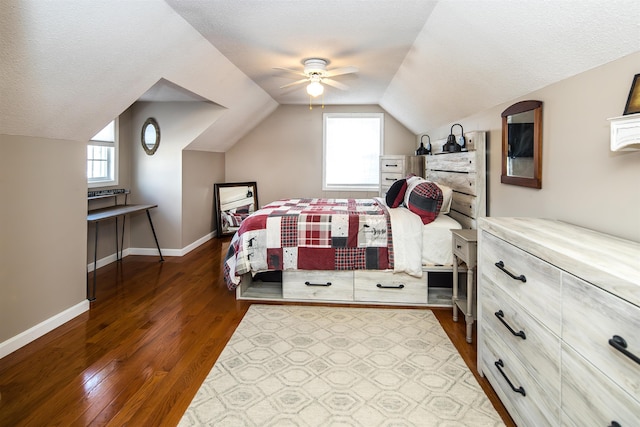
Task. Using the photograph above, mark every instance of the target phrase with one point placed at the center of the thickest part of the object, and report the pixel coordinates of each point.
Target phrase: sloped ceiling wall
(70, 67)
(474, 55)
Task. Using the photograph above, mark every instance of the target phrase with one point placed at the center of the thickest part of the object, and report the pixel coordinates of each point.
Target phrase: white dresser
(559, 322)
(396, 166)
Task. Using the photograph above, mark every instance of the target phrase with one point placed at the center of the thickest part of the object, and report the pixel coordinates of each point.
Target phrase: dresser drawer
(388, 178)
(591, 317)
(538, 290)
(535, 345)
(323, 285)
(389, 287)
(392, 165)
(535, 408)
(609, 403)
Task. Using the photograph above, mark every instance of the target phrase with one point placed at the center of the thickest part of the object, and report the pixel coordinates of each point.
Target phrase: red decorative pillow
(395, 195)
(425, 200)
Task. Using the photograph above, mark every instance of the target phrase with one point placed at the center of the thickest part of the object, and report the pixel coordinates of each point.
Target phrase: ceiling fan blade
(335, 84)
(295, 83)
(341, 71)
(298, 72)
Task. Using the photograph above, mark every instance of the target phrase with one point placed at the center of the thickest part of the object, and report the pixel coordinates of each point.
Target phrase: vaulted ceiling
(69, 67)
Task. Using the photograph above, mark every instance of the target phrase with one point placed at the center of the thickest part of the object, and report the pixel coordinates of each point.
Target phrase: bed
(363, 250)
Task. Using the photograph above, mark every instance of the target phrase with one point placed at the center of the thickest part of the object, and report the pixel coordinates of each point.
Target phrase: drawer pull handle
(500, 364)
(620, 344)
(458, 247)
(390, 179)
(317, 284)
(392, 166)
(400, 286)
(521, 277)
(500, 315)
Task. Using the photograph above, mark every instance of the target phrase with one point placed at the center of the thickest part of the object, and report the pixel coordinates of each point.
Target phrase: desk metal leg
(117, 254)
(153, 230)
(92, 296)
(122, 238)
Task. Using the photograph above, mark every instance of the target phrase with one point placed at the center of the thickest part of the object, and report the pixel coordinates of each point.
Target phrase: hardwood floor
(140, 354)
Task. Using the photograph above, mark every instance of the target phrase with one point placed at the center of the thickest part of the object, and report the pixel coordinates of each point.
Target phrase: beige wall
(43, 233)
(158, 179)
(284, 153)
(200, 170)
(583, 182)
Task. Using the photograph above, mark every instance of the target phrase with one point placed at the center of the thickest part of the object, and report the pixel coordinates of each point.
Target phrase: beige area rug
(339, 366)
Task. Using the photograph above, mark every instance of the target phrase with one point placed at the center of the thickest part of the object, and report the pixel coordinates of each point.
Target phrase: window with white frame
(102, 157)
(353, 143)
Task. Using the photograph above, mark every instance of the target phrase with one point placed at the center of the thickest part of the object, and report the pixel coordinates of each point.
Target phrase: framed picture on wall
(633, 102)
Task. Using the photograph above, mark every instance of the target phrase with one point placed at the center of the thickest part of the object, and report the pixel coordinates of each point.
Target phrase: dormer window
(102, 155)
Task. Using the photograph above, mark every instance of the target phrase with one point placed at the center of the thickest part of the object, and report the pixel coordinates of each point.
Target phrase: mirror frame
(150, 150)
(517, 108)
(216, 195)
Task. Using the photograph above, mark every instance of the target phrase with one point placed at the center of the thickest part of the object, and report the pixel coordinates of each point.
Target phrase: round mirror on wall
(150, 136)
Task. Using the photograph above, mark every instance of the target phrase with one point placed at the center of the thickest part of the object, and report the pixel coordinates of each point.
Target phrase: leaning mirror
(234, 201)
(522, 144)
(150, 136)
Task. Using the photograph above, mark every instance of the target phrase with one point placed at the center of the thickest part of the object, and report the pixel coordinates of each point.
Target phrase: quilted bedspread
(311, 234)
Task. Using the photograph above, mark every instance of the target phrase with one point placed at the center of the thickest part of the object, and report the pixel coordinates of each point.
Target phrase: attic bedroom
(217, 78)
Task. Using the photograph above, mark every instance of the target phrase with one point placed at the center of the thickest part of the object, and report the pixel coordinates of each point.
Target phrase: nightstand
(465, 246)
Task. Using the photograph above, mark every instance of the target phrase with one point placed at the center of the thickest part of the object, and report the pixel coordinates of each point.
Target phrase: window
(352, 147)
(102, 155)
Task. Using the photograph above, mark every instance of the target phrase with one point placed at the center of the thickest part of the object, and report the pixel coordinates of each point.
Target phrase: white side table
(465, 246)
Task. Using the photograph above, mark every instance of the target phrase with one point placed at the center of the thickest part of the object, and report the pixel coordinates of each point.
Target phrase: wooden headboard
(466, 173)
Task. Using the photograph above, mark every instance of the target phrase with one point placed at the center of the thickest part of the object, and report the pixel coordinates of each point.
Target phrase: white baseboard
(108, 260)
(153, 252)
(24, 338)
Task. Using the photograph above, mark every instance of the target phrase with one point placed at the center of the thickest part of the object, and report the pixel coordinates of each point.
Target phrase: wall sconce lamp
(422, 150)
(451, 145)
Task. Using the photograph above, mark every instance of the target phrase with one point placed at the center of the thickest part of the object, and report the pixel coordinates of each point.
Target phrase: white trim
(42, 328)
(152, 252)
(107, 260)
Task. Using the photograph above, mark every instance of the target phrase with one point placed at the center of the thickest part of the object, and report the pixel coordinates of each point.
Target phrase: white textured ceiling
(427, 62)
(257, 35)
(69, 67)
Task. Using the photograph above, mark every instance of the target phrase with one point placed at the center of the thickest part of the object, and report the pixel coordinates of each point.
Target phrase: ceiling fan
(316, 73)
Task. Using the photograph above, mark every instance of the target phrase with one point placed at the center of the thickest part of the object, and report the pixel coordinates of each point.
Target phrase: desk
(111, 212)
(465, 243)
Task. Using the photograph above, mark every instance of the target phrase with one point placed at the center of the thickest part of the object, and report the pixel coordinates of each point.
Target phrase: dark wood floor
(140, 354)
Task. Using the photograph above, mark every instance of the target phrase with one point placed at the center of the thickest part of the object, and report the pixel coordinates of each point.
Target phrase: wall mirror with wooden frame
(234, 201)
(150, 136)
(522, 144)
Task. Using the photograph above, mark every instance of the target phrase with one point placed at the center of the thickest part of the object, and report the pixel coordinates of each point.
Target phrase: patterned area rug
(339, 366)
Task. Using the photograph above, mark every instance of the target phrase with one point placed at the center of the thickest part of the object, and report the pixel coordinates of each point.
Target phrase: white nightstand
(465, 245)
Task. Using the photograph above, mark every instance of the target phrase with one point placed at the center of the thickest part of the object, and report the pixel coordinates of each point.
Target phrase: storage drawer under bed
(389, 287)
(317, 285)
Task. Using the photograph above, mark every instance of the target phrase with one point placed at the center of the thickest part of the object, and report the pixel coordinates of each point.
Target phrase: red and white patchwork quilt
(312, 234)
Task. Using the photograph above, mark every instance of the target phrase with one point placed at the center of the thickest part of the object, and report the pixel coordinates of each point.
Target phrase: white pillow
(447, 197)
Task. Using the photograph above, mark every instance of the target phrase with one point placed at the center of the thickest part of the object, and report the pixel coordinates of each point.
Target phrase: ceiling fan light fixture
(315, 89)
